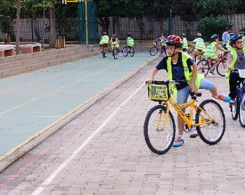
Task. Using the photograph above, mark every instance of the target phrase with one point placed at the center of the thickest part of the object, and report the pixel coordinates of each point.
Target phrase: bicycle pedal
(193, 135)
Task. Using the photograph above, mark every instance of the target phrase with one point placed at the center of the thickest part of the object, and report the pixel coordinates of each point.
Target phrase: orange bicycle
(159, 125)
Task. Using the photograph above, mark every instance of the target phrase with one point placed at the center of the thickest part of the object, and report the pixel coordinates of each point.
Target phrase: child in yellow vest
(180, 66)
(236, 60)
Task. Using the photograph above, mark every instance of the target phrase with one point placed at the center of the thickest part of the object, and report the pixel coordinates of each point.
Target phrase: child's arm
(221, 48)
(229, 60)
(193, 78)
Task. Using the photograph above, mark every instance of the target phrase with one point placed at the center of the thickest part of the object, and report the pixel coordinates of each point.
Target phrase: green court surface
(30, 102)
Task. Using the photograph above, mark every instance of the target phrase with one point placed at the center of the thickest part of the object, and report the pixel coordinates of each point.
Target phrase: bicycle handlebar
(177, 82)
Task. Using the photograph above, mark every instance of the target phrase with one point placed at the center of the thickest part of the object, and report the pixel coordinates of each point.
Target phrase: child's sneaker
(224, 98)
(212, 72)
(178, 142)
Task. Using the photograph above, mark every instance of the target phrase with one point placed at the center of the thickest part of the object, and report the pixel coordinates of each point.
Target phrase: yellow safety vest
(187, 73)
(211, 47)
(234, 54)
(185, 43)
(117, 43)
(130, 41)
(104, 39)
(200, 45)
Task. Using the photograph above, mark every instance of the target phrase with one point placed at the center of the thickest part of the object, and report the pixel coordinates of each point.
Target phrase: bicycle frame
(178, 107)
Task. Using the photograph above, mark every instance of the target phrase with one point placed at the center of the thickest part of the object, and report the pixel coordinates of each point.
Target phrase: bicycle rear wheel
(125, 51)
(242, 111)
(131, 52)
(203, 67)
(212, 132)
(153, 51)
(221, 68)
(114, 53)
(235, 109)
(159, 140)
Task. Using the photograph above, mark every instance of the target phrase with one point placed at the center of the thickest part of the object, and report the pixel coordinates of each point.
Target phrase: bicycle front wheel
(242, 111)
(125, 51)
(221, 68)
(159, 139)
(235, 109)
(131, 52)
(153, 51)
(203, 67)
(212, 132)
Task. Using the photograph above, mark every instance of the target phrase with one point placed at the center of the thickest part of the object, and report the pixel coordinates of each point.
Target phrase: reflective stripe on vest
(188, 75)
(211, 47)
(200, 44)
(104, 39)
(130, 41)
(185, 43)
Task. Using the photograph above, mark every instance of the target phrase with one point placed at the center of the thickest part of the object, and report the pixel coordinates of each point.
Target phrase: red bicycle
(205, 65)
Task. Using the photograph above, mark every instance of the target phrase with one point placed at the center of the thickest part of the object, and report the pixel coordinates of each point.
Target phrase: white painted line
(79, 149)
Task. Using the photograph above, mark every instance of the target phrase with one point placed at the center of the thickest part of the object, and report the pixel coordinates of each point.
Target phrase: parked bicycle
(238, 107)
(159, 125)
(205, 65)
(128, 51)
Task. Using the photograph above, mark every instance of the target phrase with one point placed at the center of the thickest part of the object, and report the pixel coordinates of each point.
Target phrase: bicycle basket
(158, 92)
(241, 73)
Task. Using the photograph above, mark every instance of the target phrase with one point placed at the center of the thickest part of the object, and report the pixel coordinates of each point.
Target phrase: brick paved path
(117, 160)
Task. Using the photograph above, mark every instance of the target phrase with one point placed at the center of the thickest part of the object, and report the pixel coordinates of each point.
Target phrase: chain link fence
(32, 30)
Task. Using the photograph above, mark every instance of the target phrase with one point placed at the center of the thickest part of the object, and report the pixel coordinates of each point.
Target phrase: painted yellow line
(30, 83)
(46, 116)
(63, 117)
(58, 89)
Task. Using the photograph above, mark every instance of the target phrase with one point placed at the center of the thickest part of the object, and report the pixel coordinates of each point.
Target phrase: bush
(213, 25)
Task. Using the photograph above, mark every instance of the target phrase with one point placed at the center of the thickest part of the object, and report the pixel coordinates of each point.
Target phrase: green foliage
(213, 25)
(121, 8)
(216, 7)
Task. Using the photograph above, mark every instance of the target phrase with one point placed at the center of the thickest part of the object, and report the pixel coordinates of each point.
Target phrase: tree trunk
(104, 22)
(52, 40)
(18, 27)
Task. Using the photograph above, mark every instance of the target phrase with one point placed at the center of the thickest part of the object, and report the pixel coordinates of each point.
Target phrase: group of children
(180, 66)
(105, 40)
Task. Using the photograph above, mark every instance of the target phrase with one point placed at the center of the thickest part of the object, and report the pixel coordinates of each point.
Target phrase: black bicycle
(128, 51)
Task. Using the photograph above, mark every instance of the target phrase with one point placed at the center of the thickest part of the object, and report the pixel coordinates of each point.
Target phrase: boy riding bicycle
(104, 42)
(199, 45)
(180, 66)
(236, 60)
(162, 41)
(211, 51)
(185, 42)
(114, 40)
(129, 40)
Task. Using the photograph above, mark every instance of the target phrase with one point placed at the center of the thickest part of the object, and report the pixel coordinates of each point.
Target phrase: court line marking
(43, 79)
(58, 89)
(82, 146)
(56, 122)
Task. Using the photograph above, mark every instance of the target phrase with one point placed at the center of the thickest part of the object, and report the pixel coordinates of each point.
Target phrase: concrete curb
(34, 141)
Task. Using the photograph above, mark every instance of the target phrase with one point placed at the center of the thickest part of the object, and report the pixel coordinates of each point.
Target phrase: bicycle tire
(203, 67)
(114, 54)
(131, 52)
(235, 109)
(153, 51)
(125, 51)
(221, 70)
(149, 140)
(242, 111)
(203, 133)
